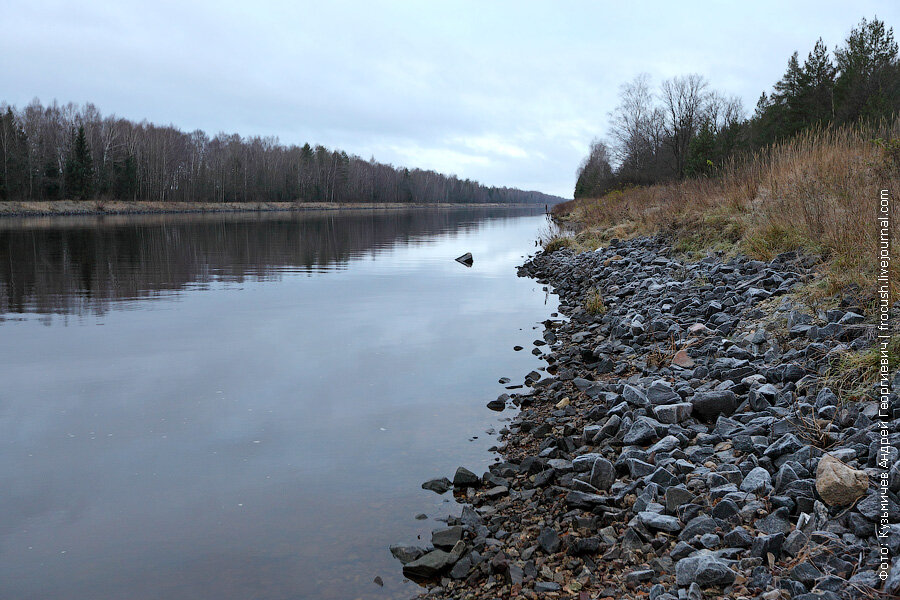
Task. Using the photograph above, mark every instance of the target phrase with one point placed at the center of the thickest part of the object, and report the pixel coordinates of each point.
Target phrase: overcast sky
(508, 93)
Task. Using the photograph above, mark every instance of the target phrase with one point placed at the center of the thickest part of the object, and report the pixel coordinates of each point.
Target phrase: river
(245, 406)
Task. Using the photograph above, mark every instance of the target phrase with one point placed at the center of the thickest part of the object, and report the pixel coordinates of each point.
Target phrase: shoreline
(48, 208)
(676, 445)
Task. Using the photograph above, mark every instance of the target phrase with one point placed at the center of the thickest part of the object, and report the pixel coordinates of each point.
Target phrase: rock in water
(498, 404)
(839, 484)
(406, 554)
(465, 478)
(465, 259)
(428, 566)
(438, 486)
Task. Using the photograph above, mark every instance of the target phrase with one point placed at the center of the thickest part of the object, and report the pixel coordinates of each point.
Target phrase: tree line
(69, 152)
(684, 129)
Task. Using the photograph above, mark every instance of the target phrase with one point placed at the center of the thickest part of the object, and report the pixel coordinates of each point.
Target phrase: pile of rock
(685, 445)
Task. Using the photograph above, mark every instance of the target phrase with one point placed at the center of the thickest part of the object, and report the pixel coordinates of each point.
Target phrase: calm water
(236, 407)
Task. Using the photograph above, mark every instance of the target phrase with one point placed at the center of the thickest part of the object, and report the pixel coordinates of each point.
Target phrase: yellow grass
(594, 303)
(819, 191)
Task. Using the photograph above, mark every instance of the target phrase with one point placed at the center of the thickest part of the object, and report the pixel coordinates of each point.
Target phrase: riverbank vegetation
(807, 169)
(67, 152)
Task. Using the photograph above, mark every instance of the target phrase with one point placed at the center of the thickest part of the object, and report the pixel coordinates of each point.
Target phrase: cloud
(508, 93)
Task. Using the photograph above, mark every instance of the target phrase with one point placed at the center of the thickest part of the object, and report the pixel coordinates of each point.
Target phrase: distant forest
(69, 152)
(686, 130)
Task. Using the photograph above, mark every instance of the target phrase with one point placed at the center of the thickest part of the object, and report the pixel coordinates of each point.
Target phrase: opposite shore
(123, 207)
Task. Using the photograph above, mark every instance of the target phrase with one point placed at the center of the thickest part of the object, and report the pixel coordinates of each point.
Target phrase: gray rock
(548, 540)
(498, 404)
(465, 478)
(698, 526)
(892, 583)
(560, 464)
(709, 405)
(667, 444)
(795, 542)
(870, 507)
(446, 538)
(585, 462)
(466, 259)
(806, 573)
(677, 496)
(585, 500)
(638, 468)
(603, 474)
(634, 396)
(786, 444)
(673, 413)
(660, 392)
(663, 478)
(738, 538)
(640, 433)
(658, 521)
(765, 544)
(406, 554)
(758, 481)
(429, 565)
(776, 522)
(632, 578)
(437, 485)
(704, 569)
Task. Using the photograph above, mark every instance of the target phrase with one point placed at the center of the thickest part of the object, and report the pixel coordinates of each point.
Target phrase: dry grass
(819, 191)
(594, 303)
(852, 376)
(558, 243)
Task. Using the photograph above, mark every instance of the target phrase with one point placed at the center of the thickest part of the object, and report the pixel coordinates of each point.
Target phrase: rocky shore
(684, 442)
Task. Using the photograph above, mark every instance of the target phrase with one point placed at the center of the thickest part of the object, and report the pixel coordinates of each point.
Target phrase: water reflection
(258, 421)
(81, 264)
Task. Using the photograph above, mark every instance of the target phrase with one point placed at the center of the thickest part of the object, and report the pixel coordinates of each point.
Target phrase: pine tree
(787, 109)
(13, 158)
(79, 168)
(867, 83)
(125, 179)
(701, 153)
(817, 86)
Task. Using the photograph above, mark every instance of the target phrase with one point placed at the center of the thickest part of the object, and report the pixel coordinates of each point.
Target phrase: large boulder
(839, 484)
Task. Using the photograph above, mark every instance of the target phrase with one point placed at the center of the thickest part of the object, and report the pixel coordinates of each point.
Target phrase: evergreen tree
(817, 86)
(125, 179)
(595, 175)
(50, 184)
(13, 157)
(79, 168)
(787, 101)
(867, 84)
(701, 159)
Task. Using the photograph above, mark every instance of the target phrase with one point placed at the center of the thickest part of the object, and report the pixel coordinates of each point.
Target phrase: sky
(506, 93)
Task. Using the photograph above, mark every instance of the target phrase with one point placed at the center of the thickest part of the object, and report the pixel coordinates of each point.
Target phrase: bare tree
(684, 101)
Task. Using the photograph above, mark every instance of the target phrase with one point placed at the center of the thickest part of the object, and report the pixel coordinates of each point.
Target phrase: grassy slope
(819, 191)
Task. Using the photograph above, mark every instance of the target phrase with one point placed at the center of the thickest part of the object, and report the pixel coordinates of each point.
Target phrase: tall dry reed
(819, 191)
